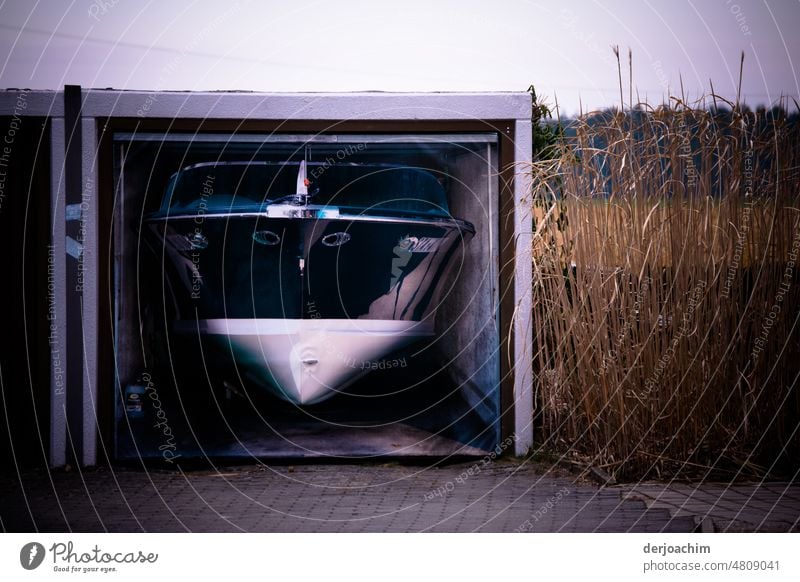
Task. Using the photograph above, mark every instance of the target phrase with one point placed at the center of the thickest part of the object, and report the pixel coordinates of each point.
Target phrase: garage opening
(306, 295)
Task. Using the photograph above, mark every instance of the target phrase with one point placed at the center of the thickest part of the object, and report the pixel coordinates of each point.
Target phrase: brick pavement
(505, 496)
(769, 506)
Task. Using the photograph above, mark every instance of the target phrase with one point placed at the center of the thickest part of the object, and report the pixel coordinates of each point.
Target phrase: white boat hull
(306, 361)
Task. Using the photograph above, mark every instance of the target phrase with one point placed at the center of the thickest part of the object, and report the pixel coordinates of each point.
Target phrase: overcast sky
(563, 48)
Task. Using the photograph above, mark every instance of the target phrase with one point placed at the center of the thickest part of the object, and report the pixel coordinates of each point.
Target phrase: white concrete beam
(523, 292)
(309, 106)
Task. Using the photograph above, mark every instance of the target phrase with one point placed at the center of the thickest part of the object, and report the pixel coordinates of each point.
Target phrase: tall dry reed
(666, 292)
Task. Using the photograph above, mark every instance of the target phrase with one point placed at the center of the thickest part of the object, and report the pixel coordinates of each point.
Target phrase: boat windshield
(251, 186)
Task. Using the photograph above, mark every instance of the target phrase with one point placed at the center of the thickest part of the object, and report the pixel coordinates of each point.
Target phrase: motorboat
(309, 274)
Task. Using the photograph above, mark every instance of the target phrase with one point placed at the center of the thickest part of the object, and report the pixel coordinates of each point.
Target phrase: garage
(289, 275)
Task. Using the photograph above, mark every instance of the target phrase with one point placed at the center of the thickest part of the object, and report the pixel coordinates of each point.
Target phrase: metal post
(73, 170)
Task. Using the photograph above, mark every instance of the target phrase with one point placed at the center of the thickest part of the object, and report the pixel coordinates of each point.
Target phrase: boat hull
(309, 361)
(307, 305)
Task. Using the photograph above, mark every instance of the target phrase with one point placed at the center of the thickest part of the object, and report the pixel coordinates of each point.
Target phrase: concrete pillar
(57, 300)
(89, 289)
(523, 292)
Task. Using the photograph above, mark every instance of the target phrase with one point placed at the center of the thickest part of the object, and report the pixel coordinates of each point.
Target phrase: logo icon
(31, 555)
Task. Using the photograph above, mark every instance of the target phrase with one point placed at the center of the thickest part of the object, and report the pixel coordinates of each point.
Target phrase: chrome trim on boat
(440, 222)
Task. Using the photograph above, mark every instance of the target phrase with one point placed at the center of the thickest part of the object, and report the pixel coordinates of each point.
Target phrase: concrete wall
(470, 341)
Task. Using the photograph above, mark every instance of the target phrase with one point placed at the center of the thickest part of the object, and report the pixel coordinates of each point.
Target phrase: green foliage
(546, 135)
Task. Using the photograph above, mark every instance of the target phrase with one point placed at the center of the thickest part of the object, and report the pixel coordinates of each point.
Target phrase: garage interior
(443, 396)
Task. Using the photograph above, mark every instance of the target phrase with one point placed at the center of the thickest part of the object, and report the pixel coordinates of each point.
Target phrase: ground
(497, 496)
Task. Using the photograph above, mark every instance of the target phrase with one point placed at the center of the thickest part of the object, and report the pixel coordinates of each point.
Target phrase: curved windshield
(226, 185)
(250, 186)
(378, 188)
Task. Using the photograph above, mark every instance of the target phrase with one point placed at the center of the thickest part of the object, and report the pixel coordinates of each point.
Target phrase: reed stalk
(666, 258)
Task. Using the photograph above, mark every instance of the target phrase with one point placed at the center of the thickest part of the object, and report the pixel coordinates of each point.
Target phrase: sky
(562, 48)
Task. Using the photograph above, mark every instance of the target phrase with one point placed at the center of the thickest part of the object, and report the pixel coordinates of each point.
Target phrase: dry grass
(666, 293)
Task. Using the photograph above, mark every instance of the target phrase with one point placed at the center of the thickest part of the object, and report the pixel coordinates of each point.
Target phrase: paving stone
(504, 497)
(769, 507)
